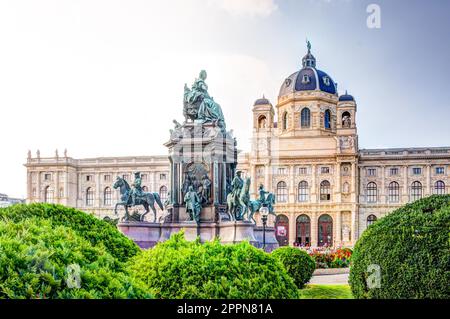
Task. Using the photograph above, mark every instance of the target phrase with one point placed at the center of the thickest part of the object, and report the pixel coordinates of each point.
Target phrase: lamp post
(264, 211)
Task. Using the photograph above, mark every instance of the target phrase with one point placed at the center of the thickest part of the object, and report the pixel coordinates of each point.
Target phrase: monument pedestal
(237, 231)
(271, 241)
(144, 234)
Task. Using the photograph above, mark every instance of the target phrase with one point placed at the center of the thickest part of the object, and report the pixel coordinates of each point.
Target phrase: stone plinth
(144, 234)
(237, 231)
(206, 231)
(271, 241)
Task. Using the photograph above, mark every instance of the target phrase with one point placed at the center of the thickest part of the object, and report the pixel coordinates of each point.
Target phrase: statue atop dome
(199, 105)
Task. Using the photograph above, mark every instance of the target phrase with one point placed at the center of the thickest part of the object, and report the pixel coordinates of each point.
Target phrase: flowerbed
(330, 257)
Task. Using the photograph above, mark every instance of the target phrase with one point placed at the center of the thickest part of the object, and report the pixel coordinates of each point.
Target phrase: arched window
(107, 197)
(163, 193)
(282, 192)
(285, 121)
(327, 120)
(371, 192)
(303, 237)
(305, 118)
(346, 120)
(145, 189)
(325, 191)
(48, 194)
(439, 188)
(394, 192)
(89, 197)
(303, 191)
(262, 122)
(416, 191)
(325, 231)
(371, 219)
(282, 230)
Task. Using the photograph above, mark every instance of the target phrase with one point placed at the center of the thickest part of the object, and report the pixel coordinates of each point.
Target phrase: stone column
(266, 177)
(405, 198)
(57, 193)
(153, 182)
(382, 193)
(353, 184)
(38, 187)
(99, 192)
(338, 183)
(66, 187)
(253, 185)
(428, 181)
(314, 232)
(292, 228)
(80, 192)
(354, 228)
(338, 241)
(291, 184)
(313, 188)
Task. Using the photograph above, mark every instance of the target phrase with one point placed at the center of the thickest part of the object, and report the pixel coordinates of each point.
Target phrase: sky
(106, 77)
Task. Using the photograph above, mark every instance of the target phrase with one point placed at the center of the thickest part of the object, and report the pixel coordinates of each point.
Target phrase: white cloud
(258, 8)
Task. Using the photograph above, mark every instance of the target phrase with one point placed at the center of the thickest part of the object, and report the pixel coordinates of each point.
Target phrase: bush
(181, 269)
(299, 265)
(87, 226)
(411, 245)
(39, 259)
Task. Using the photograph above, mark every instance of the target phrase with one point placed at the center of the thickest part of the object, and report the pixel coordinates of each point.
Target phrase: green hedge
(87, 226)
(412, 248)
(39, 259)
(299, 265)
(181, 269)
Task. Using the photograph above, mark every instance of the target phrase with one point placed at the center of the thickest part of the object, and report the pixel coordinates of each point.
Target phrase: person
(206, 188)
(262, 194)
(136, 191)
(192, 201)
(209, 110)
(236, 185)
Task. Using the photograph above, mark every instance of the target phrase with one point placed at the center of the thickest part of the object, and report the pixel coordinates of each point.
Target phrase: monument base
(271, 241)
(233, 232)
(144, 234)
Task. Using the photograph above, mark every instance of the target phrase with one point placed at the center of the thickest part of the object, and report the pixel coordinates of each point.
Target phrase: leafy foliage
(412, 247)
(181, 269)
(36, 258)
(89, 227)
(299, 265)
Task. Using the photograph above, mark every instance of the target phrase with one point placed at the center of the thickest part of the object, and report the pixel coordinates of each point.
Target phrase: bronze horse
(147, 200)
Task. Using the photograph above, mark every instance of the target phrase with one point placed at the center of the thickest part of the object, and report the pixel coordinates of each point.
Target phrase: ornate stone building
(328, 190)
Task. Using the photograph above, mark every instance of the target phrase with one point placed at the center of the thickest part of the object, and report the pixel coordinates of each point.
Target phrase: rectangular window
(393, 171)
(325, 170)
(144, 177)
(371, 172)
(439, 170)
(417, 171)
(107, 178)
(88, 178)
(125, 177)
(162, 176)
(47, 177)
(281, 171)
(303, 171)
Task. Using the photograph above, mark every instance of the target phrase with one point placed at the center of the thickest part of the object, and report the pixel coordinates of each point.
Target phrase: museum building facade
(327, 189)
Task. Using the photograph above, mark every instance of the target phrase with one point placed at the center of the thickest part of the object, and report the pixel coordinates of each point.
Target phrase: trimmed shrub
(85, 225)
(299, 265)
(181, 269)
(412, 248)
(41, 260)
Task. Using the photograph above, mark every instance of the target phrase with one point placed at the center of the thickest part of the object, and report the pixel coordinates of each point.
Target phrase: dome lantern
(309, 60)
